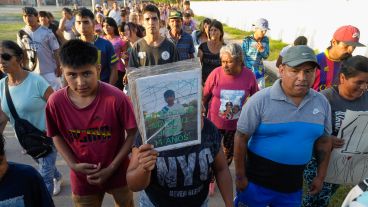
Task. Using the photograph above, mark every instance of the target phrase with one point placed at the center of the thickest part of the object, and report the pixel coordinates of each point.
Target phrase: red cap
(349, 35)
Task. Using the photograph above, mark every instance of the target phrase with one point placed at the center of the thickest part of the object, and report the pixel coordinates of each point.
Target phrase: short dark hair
(67, 10)
(229, 103)
(123, 13)
(186, 2)
(2, 145)
(354, 65)
(10, 45)
(30, 11)
(151, 8)
(43, 14)
(301, 40)
(76, 53)
(84, 12)
(169, 93)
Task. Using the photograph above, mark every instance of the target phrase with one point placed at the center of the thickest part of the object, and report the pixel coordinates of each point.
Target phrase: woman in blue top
(29, 93)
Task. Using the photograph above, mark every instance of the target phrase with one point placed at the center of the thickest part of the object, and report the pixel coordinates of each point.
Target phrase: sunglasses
(6, 56)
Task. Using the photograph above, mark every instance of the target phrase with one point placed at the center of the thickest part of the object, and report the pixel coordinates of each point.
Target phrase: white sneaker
(57, 186)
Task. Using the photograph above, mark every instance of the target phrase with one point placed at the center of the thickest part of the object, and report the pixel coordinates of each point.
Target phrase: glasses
(6, 56)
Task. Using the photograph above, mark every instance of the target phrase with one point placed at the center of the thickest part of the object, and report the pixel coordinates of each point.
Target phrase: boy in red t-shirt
(93, 126)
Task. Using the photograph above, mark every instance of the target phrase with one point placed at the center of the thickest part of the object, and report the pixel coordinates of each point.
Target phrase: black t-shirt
(22, 185)
(210, 61)
(143, 54)
(182, 176)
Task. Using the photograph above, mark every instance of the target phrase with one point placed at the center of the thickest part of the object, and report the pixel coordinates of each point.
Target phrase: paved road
(13, 153)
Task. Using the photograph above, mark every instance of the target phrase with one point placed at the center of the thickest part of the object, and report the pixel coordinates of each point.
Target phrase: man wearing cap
(41, 47)
(284, 124)
(182, 40)
(256, 48)
(343, 44)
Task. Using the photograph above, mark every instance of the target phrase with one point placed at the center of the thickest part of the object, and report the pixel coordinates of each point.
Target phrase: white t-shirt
(115, 15)
(44, 42)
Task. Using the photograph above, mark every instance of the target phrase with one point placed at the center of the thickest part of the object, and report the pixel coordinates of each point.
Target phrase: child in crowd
(93, 127)
(256, 48)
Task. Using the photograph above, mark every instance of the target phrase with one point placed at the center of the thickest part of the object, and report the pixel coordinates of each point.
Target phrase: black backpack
(33, 140)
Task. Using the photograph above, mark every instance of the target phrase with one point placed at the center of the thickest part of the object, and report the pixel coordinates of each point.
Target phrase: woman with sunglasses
(29, 93)
(349, 94)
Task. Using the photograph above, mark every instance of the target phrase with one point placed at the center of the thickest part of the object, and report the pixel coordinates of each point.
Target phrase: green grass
(8, 31)
(11, 23)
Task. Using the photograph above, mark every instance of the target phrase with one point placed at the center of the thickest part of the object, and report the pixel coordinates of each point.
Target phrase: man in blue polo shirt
(182, 40)
(278, 129)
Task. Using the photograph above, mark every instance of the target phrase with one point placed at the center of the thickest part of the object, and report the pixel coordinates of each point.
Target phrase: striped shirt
(184, 44)
(328, 74)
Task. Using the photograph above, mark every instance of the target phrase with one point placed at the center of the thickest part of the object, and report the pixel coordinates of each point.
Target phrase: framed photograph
(170, 109)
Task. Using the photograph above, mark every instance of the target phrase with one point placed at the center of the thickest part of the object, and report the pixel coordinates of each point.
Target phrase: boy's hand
(147, 157)
(86, 168)
(100, 177)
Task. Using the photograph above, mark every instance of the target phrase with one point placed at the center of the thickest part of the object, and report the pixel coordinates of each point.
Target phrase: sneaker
(211, 190)
(57, 186)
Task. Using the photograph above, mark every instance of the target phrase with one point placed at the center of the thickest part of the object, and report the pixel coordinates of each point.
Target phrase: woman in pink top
(110, 29)
(225, 91)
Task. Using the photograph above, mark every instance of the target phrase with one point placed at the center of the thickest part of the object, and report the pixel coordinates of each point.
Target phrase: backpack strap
(10, 101)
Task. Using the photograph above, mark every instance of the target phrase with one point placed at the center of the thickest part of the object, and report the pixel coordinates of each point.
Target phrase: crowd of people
(69, 80)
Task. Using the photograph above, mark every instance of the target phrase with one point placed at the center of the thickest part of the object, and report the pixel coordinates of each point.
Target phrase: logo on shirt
(315, 111)
(325, 69)
(97, 134)
(165, 55)
(142, 55)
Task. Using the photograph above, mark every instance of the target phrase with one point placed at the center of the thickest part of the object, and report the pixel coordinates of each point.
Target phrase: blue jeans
(144, 201)
(257, 196)
(48, 171)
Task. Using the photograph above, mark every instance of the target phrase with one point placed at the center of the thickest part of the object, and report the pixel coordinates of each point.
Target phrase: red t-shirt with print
(95, 134)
